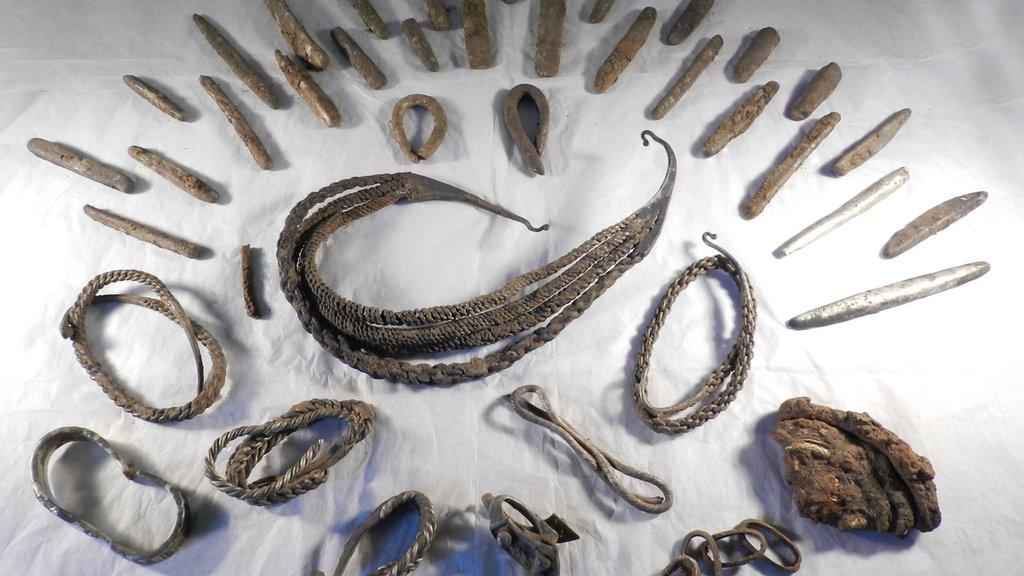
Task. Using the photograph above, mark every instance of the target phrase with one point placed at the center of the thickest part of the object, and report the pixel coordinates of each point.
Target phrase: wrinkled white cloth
(944, 373)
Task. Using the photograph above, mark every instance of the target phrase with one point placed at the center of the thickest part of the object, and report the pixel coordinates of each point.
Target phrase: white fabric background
(943, 373)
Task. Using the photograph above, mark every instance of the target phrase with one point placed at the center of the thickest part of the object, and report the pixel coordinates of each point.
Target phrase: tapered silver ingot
(932, 222)
(855, 206)
(889, 296)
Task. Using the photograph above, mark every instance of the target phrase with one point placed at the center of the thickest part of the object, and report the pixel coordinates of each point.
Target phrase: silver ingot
(889, 296)
(855, 206)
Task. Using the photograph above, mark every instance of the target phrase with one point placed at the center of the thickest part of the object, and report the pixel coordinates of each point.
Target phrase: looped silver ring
(49, 444)
(414, 554)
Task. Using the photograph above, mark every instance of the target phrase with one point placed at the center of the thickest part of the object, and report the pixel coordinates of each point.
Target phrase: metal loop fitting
(308, 472)
(73, 327)
(532, 150)
(414, 554)
(606, 466)
(722, 385)
(49, 444)
(533, 546)
(437, 133)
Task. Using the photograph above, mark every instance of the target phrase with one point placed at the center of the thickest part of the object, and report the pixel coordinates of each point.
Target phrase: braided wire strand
(606, 466)
(412, 556)
(73, 327)
(720, 388)
(308, 472)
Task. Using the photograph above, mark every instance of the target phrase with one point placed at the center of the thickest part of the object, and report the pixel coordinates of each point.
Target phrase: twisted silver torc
(73, 327)
(371, 339)
(53, 441)
(722, 385)
(606, 466)
(413, 554)
(308, 472)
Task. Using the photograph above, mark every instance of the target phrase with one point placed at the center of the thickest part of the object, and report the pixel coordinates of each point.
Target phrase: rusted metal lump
(53, 441)
(371, 339)
(722, 385)
(308, 472)
(533, 546)
(412, 556)
(73, 327)
(849, 471)
(531, 150)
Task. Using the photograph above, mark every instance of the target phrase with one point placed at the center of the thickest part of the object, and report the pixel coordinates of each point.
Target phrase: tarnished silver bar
(371, 18)
(359, 60)
(932, 222)
(158, 99)
(868, 146)
(237, 120)
(419, 45)
(760, 49)
(817, 91)
(855, 206)
(295, 34)
(318, 102)
(478, 34)
(241, 67)
(550, 37)
(438, 15)
(779, 175)
(146, 233)
(181, 178)
(78, 163)
(700, 63)
(889, 296)
(689, 20)
(741, 119)
(600, 10)
(624, 52)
